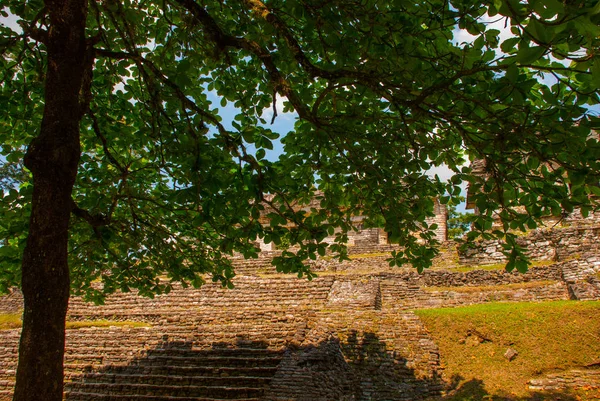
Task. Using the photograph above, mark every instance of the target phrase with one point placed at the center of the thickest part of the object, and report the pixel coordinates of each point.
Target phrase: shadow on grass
(473, 390)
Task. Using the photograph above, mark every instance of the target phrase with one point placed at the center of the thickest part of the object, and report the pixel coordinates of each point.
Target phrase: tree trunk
(53, 158)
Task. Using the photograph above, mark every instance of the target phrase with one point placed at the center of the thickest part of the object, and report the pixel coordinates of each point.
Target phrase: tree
(135, 174)
(459, 223)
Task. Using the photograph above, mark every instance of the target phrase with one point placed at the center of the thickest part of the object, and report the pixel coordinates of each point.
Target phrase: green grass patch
(500, 266)
(351, 272)
(549, 336)
(9, 321)
(487, 288)
(369, 255)
(104, 323)
(462, 268)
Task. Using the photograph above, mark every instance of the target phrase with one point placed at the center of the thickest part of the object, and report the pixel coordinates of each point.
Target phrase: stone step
(168, 370)
(166, 360)
(132, 346)
(266, 295)
(78, 369)
(223, 304)
(210, 360)
(7, 384)
(167, 390)
(170, 380)
(177, 351)
(242, 312)
(231, 352)
(8, 360)
(7, 372)
(87, 396)
(9, 336)
(235, 352)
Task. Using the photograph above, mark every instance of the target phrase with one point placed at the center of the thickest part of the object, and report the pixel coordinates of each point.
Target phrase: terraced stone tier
(574, 378)
(179, 370)
(347, 335)
(251, 295)
(399, 294)
(141, 363)
(361, 355)
(79, 396)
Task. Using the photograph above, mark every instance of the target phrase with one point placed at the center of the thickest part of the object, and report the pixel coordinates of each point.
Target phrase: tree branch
(95, 220)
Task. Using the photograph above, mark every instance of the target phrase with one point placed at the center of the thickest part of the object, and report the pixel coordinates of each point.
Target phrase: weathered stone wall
(291, 336)
(391, 355)
(442, 278)
(406, 296)
(359, 293)
(574, 378)
(314, 372)
(12, 302)
(369, 237)
(347, 335)
(543, 244)
(441, 219)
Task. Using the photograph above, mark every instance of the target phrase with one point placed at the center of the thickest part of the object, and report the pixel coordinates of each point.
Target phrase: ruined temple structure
(574, 219)
(364, 236)
(350, 334)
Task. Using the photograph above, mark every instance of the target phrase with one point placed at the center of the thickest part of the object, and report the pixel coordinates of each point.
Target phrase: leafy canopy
(382, 93)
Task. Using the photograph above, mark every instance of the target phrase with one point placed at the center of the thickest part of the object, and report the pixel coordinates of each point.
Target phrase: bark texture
(53, 158)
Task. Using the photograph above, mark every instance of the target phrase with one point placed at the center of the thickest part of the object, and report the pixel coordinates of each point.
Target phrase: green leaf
(528, 55)
(547, 9)
(512, 73)
(541, 33)
(533, 163)
(509, 44)
(522, 266)
(595, 70)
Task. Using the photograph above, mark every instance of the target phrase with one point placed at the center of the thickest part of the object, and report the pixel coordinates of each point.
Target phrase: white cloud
(496, 22)
(279, 104)
(12, 21)
(443, 172)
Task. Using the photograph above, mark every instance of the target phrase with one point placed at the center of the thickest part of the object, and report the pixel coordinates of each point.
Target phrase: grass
(500, 266)
(463, 268)
(104, 323)
(9, 321)
(486, 288)
(369, 255)
(549, 336)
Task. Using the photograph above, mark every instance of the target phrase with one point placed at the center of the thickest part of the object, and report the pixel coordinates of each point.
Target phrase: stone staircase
(347, 335)
(177, 371)
(251, 296)
(120, 363)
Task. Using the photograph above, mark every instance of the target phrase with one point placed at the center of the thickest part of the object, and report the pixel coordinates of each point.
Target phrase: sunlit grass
(548, 336)
(500, 266)
(487, 288)
(104, 324)
(9, 321)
